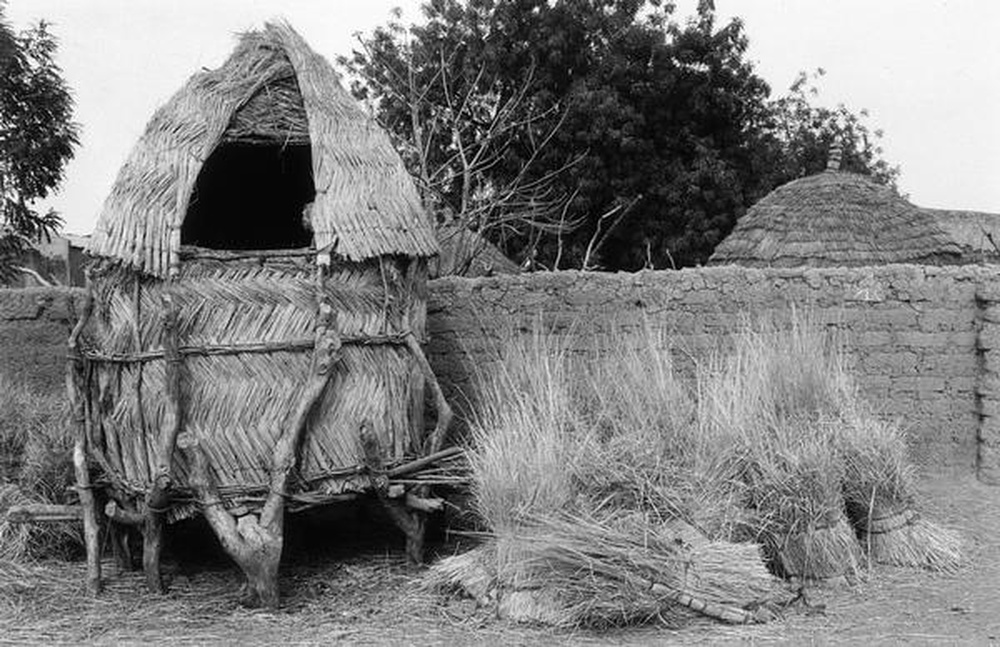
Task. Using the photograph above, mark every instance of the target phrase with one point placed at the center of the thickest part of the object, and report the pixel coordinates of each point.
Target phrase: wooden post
(77, 393)
(255, 543)
(444, 413)
(411, 522)
(158, 497)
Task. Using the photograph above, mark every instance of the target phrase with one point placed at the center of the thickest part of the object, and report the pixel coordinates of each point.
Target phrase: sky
(928, 72)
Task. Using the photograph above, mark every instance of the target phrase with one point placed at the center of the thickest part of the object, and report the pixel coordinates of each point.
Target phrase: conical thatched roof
(835, 218)
(273, 87)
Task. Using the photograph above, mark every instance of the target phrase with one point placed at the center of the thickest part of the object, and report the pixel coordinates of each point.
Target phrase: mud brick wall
(913, 333)
(925, 341)
(34, 327)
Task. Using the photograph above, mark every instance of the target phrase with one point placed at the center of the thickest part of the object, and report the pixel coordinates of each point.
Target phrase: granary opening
(253, 188)
(250, 196)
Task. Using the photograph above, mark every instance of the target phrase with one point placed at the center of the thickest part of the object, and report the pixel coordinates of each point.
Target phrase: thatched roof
(835, 218)
(466, 253)
(971, 230)
(272, 88)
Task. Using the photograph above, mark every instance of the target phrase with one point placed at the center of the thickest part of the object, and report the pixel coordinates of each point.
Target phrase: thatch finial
(833, 161)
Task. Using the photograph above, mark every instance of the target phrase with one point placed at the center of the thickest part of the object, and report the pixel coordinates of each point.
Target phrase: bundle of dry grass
(614, 493)
(763, 411)
(613, 569)
(582, 484)
(880, 494)
(35, 468)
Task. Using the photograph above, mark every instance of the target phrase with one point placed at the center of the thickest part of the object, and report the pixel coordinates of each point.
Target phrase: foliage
(37, 136)
(806, 132)
(639, 140)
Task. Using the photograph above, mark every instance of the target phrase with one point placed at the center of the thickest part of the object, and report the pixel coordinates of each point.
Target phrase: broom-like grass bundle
(761, 406)
(572, 570)
(580, 483)
(880, 494)
(794, 488)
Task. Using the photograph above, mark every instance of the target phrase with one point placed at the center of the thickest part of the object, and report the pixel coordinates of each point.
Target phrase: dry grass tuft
(769, 409)
(526, 433)
(35, 457)
(571, 453)
(880, 492)
(616, 493)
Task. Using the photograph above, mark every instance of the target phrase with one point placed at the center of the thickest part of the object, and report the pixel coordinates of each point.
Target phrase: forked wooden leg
(255, 542)
(75, 390)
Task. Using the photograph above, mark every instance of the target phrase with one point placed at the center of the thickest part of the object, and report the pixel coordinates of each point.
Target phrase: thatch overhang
(275, 89)
(976, 232)
(835, 218)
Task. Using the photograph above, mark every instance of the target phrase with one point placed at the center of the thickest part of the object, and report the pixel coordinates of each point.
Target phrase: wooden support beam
(158, 497)
(255, 542)
(444, 412)
(75, 388)
(122, 515)
(44, 513)
(410, 521)
(421, 463)
(423, 504)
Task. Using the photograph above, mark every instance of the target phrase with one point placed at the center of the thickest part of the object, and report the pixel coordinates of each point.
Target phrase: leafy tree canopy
(595, 133)
(37, 136)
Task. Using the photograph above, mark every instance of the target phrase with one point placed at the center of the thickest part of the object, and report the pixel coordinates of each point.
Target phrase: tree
(806, 132)
(37, 137)
(644, 138)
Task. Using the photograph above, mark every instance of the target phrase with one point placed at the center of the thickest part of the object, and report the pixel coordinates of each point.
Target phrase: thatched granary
(258, 295)
(835, 218)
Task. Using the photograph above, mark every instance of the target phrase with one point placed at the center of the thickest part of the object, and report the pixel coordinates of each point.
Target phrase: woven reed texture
(237, 403)
(273, 88)
(835, 219)
(971, 230)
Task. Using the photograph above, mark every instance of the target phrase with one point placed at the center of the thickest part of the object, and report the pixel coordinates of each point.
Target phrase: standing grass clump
(643, 421)
(768, 410)
(579, 478)
(527, 433)
(35, 467)
(614, 492)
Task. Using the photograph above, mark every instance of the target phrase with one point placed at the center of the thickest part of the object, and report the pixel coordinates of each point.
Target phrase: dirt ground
(362, 593)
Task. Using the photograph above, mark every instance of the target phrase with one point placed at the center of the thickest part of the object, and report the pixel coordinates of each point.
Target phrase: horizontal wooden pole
(423, 504)
(294, 346)
(44, 513)
(420, 463)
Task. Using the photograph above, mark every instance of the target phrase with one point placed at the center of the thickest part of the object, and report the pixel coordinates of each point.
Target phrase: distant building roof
(466, 253)
(836, 218)
(972, 231)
